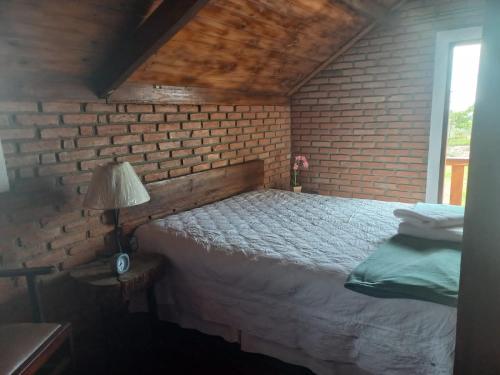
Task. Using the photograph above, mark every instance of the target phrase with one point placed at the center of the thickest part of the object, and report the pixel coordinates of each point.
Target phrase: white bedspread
(272, 264)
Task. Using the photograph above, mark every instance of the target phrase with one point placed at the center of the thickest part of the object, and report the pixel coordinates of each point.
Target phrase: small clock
(120, 263)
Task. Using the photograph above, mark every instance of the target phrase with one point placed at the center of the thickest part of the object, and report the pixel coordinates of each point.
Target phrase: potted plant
(300, 163)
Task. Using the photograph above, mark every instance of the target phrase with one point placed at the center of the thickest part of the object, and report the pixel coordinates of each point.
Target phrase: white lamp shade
(115, 185)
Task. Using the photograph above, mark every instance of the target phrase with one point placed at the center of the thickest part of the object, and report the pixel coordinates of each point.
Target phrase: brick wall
(364, 121)
(51, 149)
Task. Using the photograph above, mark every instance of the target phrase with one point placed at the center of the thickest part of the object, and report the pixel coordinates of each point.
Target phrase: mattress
(270, 265)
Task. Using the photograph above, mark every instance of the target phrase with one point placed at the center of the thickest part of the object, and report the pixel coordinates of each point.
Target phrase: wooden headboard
(197, 189)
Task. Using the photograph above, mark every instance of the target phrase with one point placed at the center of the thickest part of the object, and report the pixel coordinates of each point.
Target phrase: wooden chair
(28, 348)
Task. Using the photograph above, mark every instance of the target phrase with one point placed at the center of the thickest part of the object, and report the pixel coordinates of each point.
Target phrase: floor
(131, 349)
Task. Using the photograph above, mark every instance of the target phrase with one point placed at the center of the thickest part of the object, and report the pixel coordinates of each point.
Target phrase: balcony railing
(457, 184)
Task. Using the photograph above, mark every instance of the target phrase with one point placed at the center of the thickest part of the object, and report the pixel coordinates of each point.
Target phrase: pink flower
(301, 162)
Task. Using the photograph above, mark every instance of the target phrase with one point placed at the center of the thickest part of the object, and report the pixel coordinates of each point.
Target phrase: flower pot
(297, 189)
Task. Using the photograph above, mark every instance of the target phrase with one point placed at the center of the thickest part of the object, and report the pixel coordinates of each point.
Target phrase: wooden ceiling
(252, 45)
(261, 47)
(62, 39)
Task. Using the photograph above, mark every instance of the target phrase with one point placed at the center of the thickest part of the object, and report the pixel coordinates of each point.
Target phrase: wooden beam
(343, 49)
(478, 331)
(50, 87)
(139, 92)
(367, 8)
(167, 19)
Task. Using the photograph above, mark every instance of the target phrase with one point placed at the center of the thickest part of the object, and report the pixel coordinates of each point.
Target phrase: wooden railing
(457, 179)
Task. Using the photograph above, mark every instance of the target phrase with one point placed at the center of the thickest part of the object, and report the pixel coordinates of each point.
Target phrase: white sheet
(272, 264)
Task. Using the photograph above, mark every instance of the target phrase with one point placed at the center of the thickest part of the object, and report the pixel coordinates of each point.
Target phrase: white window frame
(4, 178)
(444, 42)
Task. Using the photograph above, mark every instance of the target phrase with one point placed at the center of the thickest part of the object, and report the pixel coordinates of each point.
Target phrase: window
(456, 143)
(455, 78)
(4, 179)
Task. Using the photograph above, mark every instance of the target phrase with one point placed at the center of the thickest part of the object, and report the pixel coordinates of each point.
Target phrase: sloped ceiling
(252, 45)
(63, 38)
(256, 46)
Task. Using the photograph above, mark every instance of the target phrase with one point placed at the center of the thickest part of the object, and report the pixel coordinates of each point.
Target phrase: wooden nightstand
(112, 292)
(145, 270)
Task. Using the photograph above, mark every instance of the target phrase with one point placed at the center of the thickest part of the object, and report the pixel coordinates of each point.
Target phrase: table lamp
(115, 186)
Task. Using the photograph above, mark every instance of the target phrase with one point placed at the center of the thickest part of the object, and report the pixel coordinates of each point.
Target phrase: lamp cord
(116, 216)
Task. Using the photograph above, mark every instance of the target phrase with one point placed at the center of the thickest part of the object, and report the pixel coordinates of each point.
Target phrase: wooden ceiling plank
(269, 85)
(270, 15)
(271, 35)
(344, 49)
(226, 56)
(139, 92)
(368, 8)
(74, 19)
(205, 28)
(168, 18)
(43, 85)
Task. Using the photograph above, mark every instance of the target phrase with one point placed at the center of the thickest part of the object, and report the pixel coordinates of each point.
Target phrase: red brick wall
(364, 121)
(51, 149)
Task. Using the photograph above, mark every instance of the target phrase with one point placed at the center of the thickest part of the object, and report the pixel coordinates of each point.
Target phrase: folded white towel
(432, 215)
(429, 225)
(442, 234)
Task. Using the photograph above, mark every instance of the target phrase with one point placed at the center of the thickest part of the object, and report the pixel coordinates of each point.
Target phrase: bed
(267, 268)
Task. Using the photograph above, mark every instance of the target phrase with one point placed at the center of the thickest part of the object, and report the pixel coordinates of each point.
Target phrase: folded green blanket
(410, 267)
